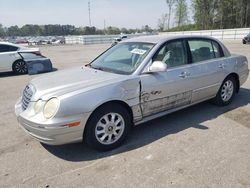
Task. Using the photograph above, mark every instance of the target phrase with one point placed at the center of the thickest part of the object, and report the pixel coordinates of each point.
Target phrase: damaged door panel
(131, 90)
(164, 91)
(166, 103)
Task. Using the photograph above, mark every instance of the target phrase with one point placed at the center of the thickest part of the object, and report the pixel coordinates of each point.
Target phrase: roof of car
(8, 43)
(162, 38)
(12, 44)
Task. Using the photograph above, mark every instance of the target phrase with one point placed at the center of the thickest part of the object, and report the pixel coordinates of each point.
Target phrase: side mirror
(157, 66)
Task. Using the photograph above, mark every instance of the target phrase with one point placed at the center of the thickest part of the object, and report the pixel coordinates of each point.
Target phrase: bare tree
(162, 22)
(170, 4)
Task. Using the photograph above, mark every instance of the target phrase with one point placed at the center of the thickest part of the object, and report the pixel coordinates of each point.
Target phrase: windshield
(123, 58)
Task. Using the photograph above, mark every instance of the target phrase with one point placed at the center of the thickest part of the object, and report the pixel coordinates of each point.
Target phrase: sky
(119, 13)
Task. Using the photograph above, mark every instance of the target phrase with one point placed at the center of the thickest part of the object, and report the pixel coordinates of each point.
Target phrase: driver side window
(173, 53)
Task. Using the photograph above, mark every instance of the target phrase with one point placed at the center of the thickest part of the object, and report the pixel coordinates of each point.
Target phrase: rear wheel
(107, 127)
(20, 67)
(226, 93)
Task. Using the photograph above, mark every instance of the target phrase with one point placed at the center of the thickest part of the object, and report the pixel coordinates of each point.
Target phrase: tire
(244, 42)
(226, 92)
(20, 67)
(107, 127)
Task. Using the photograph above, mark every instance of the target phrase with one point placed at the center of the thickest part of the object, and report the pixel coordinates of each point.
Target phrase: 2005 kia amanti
(132, 82)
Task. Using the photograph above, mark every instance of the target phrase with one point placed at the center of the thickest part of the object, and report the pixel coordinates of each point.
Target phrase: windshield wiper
(97, 68)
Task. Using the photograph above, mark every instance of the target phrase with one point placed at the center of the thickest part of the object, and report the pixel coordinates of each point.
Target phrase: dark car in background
(246, 39)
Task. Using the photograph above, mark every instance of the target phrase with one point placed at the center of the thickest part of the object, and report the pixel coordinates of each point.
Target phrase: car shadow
(147, 133)
(9, 74)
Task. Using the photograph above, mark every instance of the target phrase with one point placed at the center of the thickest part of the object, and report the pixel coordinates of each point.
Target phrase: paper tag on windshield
(138, 51)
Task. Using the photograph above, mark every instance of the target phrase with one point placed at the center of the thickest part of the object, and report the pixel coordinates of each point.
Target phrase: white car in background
(12, 57)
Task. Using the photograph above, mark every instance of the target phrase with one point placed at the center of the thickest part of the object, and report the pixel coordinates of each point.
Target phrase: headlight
(51, 108)
(38, 106)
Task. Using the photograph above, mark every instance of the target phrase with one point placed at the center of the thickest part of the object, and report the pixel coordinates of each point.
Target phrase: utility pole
(89, 14)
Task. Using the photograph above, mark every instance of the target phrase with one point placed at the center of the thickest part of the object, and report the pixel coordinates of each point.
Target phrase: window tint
(217, 50)
(7, 48)
(173, 54)
(202, 50)
(27, 55)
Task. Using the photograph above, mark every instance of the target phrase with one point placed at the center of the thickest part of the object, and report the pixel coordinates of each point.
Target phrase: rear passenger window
(202, 50)
(217, 50)
(7, 48)
(12, 48)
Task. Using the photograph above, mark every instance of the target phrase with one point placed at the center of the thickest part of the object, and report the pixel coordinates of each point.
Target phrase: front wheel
(226, 92)
(20, 67)
(107, 127)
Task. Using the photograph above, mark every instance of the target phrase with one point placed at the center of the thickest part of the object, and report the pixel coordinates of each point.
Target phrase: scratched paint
(150, 107)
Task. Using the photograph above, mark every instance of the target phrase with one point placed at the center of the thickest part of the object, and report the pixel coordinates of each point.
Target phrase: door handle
(184, 75)
(222, 66)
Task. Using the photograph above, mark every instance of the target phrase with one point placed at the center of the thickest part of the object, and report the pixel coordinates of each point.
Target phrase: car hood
(66, 81)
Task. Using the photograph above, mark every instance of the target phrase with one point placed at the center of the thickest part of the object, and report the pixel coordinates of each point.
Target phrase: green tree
(13, 31)
(147, 29)
(204, 13)
(215, 14)
(2, 31)
(113, 30)
(124, 30)
(181, 14)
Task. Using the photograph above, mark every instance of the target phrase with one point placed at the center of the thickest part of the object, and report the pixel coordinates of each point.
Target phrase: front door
(171, 89)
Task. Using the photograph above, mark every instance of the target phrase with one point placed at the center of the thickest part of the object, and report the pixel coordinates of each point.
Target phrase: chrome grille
(27, 94)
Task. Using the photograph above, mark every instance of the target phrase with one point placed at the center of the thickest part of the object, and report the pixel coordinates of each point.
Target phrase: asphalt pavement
(201, 146)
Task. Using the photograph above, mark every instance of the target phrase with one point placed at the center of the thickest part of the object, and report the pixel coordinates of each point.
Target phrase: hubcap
(227, 90)
(21, 67)
(109, 128)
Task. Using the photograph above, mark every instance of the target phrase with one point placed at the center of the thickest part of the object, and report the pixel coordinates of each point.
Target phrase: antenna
(89, 14)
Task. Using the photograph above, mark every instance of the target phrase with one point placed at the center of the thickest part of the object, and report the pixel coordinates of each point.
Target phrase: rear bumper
(40, 65)
(243, 77)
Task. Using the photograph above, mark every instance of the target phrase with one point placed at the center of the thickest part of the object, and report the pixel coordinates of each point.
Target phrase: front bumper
(52, 132)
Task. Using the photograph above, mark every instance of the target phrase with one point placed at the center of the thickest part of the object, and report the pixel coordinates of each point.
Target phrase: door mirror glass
(157, 66)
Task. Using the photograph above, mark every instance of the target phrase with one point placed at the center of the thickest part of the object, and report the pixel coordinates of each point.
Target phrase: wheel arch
(112, 102)
(236, 77)
(15, 62)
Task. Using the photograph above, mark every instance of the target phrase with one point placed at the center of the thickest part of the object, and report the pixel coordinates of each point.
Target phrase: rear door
(207, 71)
(8, 54)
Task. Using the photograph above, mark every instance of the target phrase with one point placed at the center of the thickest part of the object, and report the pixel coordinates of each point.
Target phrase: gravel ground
(201, 146)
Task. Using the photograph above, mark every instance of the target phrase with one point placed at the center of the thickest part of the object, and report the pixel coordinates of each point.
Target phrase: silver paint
(148, 95)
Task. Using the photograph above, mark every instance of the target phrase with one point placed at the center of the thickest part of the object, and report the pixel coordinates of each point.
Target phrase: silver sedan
(134, 81)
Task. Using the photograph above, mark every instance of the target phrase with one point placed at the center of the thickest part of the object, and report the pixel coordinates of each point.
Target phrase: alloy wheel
(109, 128)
